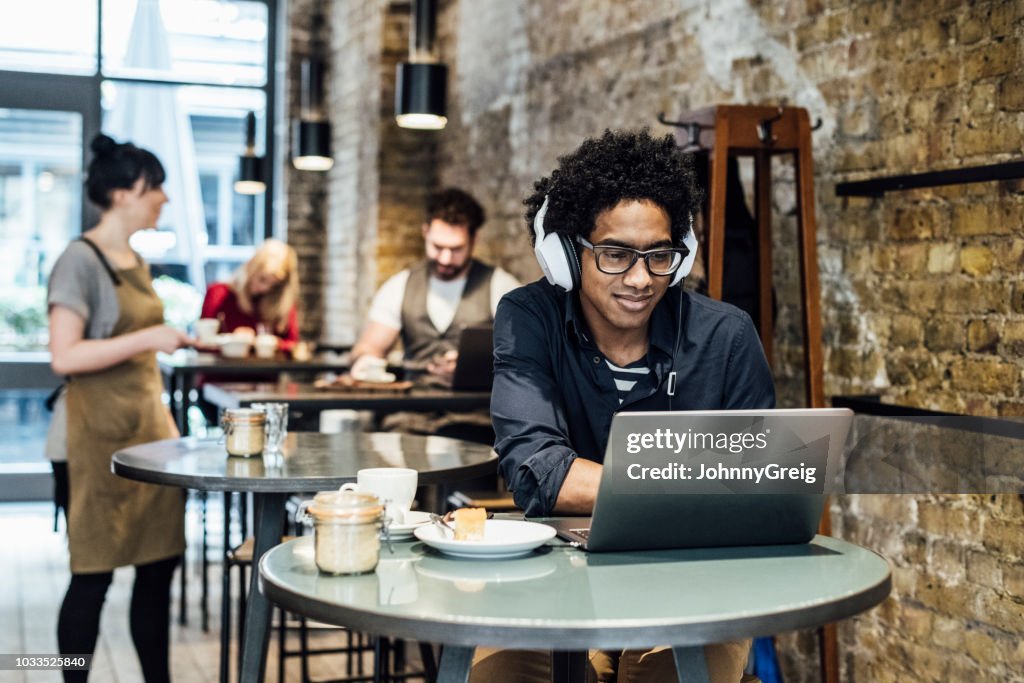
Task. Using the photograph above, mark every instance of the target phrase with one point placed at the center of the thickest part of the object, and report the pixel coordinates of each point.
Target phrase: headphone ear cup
(690, 242)
(557, 259)
(573, 259)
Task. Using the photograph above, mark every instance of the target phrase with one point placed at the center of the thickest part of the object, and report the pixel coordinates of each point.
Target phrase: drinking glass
(276, 426)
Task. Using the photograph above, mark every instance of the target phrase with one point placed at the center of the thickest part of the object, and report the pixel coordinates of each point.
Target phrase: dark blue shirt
(554, 395)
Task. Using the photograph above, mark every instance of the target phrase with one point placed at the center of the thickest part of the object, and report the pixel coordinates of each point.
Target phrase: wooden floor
(34, 567)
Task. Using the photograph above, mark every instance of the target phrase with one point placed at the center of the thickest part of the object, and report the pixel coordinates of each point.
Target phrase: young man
(612, 224)
(429, 303)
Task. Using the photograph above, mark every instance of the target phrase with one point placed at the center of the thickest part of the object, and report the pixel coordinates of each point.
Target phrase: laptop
(688, 508)
(474, 370)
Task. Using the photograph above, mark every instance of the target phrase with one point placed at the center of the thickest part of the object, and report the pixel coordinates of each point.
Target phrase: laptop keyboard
(582, 533)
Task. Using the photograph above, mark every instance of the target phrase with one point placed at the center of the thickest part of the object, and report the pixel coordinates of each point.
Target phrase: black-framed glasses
(615, 260)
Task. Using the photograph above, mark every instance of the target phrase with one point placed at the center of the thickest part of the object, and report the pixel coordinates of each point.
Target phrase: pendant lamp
(250, 166)
(421, 89)
(311, 143)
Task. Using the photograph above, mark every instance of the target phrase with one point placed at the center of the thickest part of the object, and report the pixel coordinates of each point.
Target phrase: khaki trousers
(725, 662)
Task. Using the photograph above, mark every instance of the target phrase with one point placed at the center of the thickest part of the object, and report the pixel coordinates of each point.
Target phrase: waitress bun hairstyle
(118, 166)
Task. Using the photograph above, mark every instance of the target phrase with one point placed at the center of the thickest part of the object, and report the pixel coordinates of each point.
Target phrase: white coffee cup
(265, 345)
(206, 330)
(395, 486)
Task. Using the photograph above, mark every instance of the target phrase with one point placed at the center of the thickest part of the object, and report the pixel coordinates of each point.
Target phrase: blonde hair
(273, 256)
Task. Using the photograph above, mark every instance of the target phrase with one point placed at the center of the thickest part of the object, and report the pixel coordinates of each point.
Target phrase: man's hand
(443, 366)
(368, 367)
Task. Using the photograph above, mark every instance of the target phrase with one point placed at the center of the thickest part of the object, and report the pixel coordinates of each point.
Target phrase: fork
(439, 521)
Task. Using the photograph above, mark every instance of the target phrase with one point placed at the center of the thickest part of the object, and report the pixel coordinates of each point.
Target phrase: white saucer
(414, 519)
(502, 538)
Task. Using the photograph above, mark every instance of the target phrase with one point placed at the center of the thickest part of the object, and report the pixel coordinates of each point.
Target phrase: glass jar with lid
(346, 531)
(244, 430)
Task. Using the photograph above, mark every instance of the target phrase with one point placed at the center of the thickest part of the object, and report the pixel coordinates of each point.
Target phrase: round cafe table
(310, 462)
(560, 598)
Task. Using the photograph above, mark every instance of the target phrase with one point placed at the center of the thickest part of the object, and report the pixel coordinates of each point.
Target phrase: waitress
(106, 323)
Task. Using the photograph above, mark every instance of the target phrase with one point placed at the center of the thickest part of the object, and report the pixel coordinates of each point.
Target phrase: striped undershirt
(627, 377)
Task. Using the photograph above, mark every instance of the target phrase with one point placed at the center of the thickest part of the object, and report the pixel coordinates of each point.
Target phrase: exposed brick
(940, 71)
(1013, 579)
(1013, 339)
(1011, 93)
(971, 296)
(1009, 255)
(915, 222)
(906, 330)
(944, 334)
(942, 258)
(1000, 135)
(976, 260)
(948, 633)
(972, 29)
(984, 568)
(992, 59)
(982, 335)
(987, 376)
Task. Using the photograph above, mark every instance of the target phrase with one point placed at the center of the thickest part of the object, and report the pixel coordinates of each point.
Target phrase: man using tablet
(611, 329)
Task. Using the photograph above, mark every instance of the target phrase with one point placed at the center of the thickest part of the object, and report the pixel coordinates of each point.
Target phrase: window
(57, 36)
(174, 76)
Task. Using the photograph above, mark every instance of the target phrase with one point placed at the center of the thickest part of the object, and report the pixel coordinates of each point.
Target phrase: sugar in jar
(346, 531)
(244, 430)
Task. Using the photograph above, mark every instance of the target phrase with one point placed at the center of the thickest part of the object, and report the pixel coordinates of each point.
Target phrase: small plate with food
(474, 536)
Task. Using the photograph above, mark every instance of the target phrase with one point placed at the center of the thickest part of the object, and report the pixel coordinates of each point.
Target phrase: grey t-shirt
(80, 283)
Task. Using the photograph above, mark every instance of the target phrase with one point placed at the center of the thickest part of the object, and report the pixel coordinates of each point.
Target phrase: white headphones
(556, 254)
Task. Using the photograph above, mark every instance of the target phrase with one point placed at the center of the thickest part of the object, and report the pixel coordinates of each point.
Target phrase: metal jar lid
(345, 507)
(249, 416)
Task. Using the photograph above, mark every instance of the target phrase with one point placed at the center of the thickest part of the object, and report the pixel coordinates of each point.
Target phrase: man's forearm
(579, 490)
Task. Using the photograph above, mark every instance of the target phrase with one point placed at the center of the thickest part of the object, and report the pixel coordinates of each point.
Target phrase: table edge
(283, 485)
(472, 633)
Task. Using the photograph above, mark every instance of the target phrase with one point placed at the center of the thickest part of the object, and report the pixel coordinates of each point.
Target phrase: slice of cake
(469, 524)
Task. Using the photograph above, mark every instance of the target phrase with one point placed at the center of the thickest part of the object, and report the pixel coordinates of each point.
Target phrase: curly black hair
(619, 165)
(457, 207)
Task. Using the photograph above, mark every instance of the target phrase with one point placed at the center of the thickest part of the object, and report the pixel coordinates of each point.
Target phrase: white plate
(502, 538)
(413, 520)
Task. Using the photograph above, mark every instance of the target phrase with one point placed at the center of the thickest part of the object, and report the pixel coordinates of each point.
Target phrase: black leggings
(150, 616)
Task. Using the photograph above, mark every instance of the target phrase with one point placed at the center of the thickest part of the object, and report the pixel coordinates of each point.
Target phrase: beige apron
(114, 522)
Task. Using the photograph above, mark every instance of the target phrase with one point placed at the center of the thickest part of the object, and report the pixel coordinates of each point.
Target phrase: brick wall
(923, 297)
(306, 191)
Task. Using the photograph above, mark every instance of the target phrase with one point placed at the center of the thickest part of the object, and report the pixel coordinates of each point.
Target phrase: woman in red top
(263, 292)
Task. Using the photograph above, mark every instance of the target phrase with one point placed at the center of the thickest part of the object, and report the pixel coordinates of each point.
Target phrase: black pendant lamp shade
(250, 167)
(312, 145)
(311, 133)
(422, 83)
(422, 91)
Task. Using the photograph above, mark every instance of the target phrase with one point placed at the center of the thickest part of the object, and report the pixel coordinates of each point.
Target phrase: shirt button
(597, 359)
